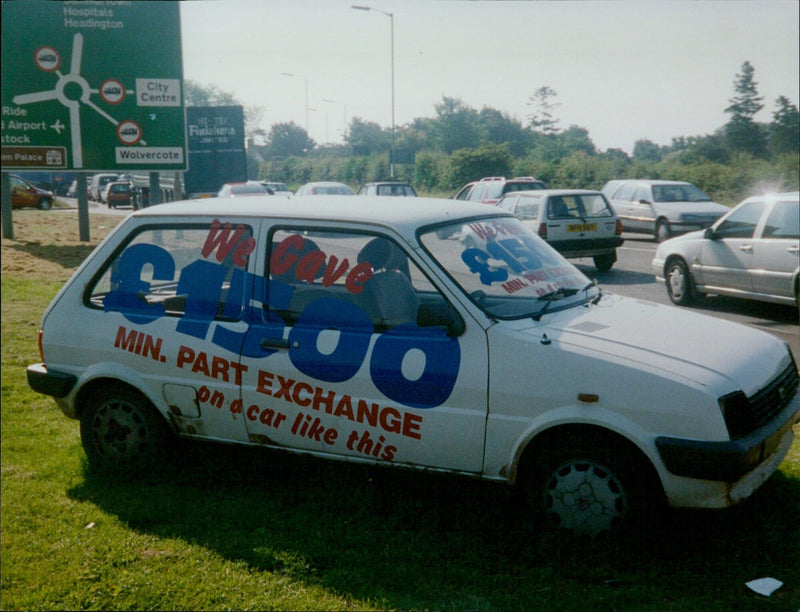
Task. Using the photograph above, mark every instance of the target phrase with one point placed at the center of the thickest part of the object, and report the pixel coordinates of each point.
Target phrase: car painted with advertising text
(753, 252)
(662, 208)
(345, 329)
(575, 222)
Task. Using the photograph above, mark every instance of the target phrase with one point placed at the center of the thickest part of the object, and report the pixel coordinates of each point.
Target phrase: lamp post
(289, 74)
(391, 26)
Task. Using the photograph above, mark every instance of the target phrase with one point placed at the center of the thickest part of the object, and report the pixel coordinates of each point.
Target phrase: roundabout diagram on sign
(72, 90)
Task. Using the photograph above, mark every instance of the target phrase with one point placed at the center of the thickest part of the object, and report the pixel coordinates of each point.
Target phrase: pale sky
(625, 71)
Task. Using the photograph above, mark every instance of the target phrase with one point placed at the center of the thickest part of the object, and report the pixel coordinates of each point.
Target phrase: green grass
(225, 527)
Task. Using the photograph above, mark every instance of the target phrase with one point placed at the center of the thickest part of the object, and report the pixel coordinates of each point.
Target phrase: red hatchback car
(24, 194)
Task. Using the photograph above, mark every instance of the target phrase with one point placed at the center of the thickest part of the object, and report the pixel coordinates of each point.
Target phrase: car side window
(783, 221)
(625, 192)
(342, 279)
(477, 192)
(742, 222)
(642, 193)
(176, 270)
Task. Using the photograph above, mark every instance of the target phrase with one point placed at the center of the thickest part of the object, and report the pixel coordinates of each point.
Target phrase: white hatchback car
(752, 252)
(346, 329)
(575, 222)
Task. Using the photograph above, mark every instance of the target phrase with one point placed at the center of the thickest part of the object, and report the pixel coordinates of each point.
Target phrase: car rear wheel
(589, 485)
(45, 204)
(663, 230)
(604, 262)
(121, 429)
(680, 286)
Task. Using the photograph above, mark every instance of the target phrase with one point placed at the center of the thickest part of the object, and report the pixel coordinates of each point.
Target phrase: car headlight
(737, 414)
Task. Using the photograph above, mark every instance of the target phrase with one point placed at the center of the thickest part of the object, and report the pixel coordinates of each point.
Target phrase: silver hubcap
(585, 498)
(120, 430)
(677, 282)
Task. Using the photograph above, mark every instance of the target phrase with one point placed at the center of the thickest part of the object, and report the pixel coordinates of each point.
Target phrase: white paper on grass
(764, 586)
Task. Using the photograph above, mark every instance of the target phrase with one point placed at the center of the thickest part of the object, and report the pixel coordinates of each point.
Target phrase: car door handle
(794, 250)
(746, 247)
(270, 343)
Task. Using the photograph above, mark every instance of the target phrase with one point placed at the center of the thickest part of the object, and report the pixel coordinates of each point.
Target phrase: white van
(355, 331)
(98, 183)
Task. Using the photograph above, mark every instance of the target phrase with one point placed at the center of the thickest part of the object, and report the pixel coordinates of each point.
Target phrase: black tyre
(680, 285)
(604, 262)
(589, 485)
(45, 204)
(663, 230)
(120, 428)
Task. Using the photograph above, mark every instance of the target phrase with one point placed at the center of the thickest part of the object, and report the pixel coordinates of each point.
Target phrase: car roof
(552, 192)
(353, 209)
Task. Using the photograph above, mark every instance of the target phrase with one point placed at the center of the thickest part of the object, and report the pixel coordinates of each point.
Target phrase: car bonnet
(681, 343)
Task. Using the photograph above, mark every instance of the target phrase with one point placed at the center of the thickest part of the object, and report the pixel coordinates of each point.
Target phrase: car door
(169, 300)
(22, 194)
(776, 254)
(728, 256)
(622, 201)
(348, 357)
(641, 212)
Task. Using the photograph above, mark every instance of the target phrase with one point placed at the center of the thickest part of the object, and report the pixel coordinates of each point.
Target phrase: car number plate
(583, 227)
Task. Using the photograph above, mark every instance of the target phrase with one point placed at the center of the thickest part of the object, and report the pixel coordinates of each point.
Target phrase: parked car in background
(325, 188)
(97, 185)
(119, 193)
(244, 188)
(661, 208)
(490, 189)
(380, 342)
(388, 188)
(23, 194)
(575, 222)
(277, 188)
(752, 252)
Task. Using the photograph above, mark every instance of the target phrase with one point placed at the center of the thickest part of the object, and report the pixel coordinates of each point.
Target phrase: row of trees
(439, 154)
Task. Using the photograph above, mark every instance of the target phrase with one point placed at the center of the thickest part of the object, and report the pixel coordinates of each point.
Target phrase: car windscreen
(679, 193)
(506, 269)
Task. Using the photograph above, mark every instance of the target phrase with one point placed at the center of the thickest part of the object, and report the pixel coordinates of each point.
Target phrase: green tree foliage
(502, 129)
(646, 150)
(469, 164)
(742, 131)
(367, 137)
(784, 131)
(456, 126)
(542, 118)
(288, 139)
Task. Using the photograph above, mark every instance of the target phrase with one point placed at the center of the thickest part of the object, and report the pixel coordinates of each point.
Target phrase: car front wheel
(604, 262)
(680, 286)
(121, 429)
(45, 204)
(588, 487)
(663, 230)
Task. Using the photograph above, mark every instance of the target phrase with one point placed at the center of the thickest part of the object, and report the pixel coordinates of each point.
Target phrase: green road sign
(92, 86)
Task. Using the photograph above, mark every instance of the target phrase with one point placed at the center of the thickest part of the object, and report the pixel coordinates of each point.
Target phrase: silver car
(752, 252)
(662, 208)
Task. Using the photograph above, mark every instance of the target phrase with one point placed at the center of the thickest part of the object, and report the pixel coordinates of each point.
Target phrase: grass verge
(236, 528)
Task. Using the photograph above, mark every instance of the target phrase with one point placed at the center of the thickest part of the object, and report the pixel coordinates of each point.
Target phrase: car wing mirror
(710, 234)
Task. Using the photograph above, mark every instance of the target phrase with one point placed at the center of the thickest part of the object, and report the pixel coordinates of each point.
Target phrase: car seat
(388, 296)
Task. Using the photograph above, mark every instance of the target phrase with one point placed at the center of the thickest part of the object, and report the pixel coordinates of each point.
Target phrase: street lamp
(391, 26)
(289, 74)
